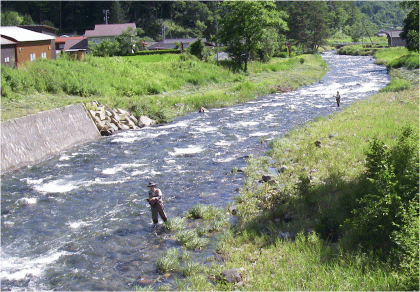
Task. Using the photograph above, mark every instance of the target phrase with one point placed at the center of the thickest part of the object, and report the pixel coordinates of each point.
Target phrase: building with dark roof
(168, 44)
(394, 38)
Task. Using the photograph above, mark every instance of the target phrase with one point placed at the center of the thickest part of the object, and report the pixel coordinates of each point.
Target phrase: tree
(129, 39)
(308, 23)
(11, 18)
(411, 27)
(244, 26)
(117, 13)
(196, 48)
(105, 48)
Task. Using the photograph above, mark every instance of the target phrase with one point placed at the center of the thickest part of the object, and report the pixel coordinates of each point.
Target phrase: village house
(107, 31)
(394, 38)
(19, 45)
(168, 44)
(41, 28)
(71, 45)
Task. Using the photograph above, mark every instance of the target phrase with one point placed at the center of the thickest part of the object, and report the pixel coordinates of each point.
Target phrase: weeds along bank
(161, 87)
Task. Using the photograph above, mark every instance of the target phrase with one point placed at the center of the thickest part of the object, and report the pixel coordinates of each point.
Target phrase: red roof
(108, 29)
(62, 40)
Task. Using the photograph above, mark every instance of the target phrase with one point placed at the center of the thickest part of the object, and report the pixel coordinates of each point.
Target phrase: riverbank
(174, 87)
(292, 233)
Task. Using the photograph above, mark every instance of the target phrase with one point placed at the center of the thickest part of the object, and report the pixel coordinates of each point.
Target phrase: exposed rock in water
(231, 276)
(108, 121)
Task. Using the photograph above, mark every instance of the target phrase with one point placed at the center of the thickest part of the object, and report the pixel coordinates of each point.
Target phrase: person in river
(155, 201)
(337, 99)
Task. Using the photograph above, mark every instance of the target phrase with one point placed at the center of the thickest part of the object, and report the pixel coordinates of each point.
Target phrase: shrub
(196, 48)
(383, 218)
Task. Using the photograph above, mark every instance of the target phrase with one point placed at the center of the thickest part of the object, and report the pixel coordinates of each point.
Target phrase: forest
(176, 19)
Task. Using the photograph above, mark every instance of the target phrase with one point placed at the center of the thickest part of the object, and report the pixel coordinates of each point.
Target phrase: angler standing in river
(155, 201)
(337, 99)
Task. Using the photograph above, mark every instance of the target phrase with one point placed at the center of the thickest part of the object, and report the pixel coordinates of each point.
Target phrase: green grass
(161, 89)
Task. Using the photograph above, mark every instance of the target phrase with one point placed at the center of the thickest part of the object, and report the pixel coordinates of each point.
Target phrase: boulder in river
(203, 110)
(145, 121)
(231, 276)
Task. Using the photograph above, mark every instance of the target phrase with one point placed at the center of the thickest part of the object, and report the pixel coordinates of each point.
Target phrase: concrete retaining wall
(31, 139)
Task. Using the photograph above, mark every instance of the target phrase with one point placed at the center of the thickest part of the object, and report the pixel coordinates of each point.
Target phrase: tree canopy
(245, 26)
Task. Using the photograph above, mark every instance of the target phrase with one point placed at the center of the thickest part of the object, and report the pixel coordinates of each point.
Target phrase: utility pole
(106, 11)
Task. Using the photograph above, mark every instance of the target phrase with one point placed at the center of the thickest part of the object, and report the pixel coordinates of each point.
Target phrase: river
(79, 221)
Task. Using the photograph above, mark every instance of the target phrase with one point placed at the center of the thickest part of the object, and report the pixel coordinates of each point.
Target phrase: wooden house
(28, 45)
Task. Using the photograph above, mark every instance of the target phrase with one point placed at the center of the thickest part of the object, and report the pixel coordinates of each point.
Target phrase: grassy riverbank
(343, 216)
(161, 89)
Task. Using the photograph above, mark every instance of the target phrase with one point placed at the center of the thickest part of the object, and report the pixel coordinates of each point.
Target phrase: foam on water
(27, 201)
(18, 268)
(57, 186)
(189, 150)
(121, 167)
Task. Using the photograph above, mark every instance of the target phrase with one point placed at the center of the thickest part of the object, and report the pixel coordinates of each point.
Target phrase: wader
(338, 101)
(157, 208)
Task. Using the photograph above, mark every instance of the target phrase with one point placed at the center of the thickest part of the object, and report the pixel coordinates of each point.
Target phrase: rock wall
(108, 121)
(28, 140)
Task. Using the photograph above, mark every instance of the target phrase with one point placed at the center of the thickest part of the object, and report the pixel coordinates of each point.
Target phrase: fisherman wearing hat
(155, 201)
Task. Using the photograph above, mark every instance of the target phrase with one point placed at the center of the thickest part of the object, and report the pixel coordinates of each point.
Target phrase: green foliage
(396, 84)
(391, 188)
(196, 49)
(13, 18)
(169, 261)
(105, 48)
(411, 27)
(206, 212)
(245, 25)
(308, 23)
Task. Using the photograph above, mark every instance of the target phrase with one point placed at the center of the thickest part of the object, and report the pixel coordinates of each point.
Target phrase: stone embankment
(108, 121)
(31, 139)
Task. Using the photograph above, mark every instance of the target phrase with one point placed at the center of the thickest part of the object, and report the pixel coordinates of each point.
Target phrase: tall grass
(160, 89)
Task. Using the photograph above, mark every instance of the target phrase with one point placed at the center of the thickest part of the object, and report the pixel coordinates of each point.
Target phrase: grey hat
(151, 185)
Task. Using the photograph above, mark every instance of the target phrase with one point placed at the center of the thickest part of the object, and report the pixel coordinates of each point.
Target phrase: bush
(196, 48)
(384, 217)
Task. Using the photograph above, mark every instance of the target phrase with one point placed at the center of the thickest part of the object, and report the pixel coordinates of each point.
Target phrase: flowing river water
(79, 221)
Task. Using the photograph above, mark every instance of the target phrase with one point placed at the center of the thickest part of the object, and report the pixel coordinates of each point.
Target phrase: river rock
(266, 177)
(145, 121)
(231, 276)
(283, 168)
(203, 110)
(233, 209)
